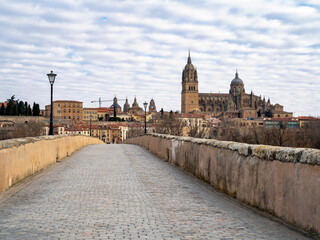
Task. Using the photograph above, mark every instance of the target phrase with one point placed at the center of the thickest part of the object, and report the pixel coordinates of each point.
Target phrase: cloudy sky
(128, 48)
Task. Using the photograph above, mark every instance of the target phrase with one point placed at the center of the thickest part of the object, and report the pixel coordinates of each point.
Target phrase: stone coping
(284, 154)
(16, 142)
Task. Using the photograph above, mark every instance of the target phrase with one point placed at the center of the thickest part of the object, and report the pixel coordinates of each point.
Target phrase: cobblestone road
(123, 192)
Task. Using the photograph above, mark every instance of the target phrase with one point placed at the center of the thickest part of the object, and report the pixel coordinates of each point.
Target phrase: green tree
(25, 109)
(20, 108)
(10, 109)
(2, 109)
(29, 111)
(268, 113)
(35, 109)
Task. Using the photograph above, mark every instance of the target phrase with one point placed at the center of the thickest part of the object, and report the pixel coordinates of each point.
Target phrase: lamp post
(90, 124)
(145, 104)
(52, 77)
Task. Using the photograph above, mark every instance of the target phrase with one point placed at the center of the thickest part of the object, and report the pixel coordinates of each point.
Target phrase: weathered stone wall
(282, 181)
(22, 157)
(23, 119)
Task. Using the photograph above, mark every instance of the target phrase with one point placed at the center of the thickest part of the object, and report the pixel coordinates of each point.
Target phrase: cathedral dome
(126, 106)
(189, 73)
(189, 65)
(236, 80)
(135, 103)
(115, 103)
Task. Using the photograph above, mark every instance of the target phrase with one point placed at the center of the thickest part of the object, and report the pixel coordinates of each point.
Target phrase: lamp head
(145, 104)
(52, 77)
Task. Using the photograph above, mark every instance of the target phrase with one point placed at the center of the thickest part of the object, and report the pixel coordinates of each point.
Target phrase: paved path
(123, 192)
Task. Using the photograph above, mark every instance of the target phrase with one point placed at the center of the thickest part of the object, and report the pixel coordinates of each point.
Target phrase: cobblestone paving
(123, 192)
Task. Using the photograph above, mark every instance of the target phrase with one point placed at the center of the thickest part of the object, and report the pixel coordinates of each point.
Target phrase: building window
(73, 105)
(64, 110)
(58, 104)
(78, 117)
(69, 105)
(65, 105)
(74, 117)
(69, 110)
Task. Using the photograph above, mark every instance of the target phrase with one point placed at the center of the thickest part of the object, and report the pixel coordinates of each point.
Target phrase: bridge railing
(22, 157)
(280, 180)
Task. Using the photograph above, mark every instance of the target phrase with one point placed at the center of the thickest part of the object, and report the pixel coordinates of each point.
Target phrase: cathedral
(136, 109)
(235, 104)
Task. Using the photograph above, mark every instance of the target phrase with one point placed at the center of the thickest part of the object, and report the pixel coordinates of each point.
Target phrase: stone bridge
(124, 192)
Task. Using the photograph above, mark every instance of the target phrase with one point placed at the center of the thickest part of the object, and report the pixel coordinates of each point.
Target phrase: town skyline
(127, 49)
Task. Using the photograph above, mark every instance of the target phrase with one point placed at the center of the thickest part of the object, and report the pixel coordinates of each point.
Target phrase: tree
(268, 113)
(11, 108)
(20, 108)
(199, 132)
(2, 109)
(25, 108)
(169, 125)
(35, 109)
(29, 112)
(312, 133)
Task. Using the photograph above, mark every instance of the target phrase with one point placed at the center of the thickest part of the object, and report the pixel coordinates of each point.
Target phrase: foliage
(306, 137)
(15, 107)
(2, 109)
(268, 113)
(169, 125)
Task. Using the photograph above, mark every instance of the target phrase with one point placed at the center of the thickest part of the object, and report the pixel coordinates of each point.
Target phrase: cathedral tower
(126, 106)
(189, 93)
(152, 106)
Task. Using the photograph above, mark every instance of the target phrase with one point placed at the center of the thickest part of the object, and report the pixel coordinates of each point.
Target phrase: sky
(139, 48)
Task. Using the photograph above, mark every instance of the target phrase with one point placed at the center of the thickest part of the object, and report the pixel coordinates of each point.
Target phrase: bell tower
(189, 93)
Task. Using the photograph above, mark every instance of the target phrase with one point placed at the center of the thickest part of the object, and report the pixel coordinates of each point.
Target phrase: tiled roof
(67, 101)
(307, 118)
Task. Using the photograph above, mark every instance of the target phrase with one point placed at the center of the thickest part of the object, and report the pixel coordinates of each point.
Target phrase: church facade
(235, 104)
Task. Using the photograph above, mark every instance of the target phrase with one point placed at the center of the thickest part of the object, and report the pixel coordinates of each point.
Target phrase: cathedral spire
(189, 58)
(237, 75)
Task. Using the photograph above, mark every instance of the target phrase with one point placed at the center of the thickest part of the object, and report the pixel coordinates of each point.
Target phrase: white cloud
(128, 48)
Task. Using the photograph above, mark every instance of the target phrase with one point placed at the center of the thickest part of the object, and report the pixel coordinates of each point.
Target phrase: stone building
(66, 109)
(126, 106)
(152, 106)
(135, 107)
(115, 105)
(236, 103)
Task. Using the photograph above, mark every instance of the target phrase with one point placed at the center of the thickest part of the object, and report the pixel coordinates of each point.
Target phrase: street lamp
(145, 104)
(52, 77)
(90, 124)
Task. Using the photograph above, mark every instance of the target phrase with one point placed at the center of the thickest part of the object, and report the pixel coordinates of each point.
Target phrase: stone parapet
(280, 180)
(265, 152)
(22, 157)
